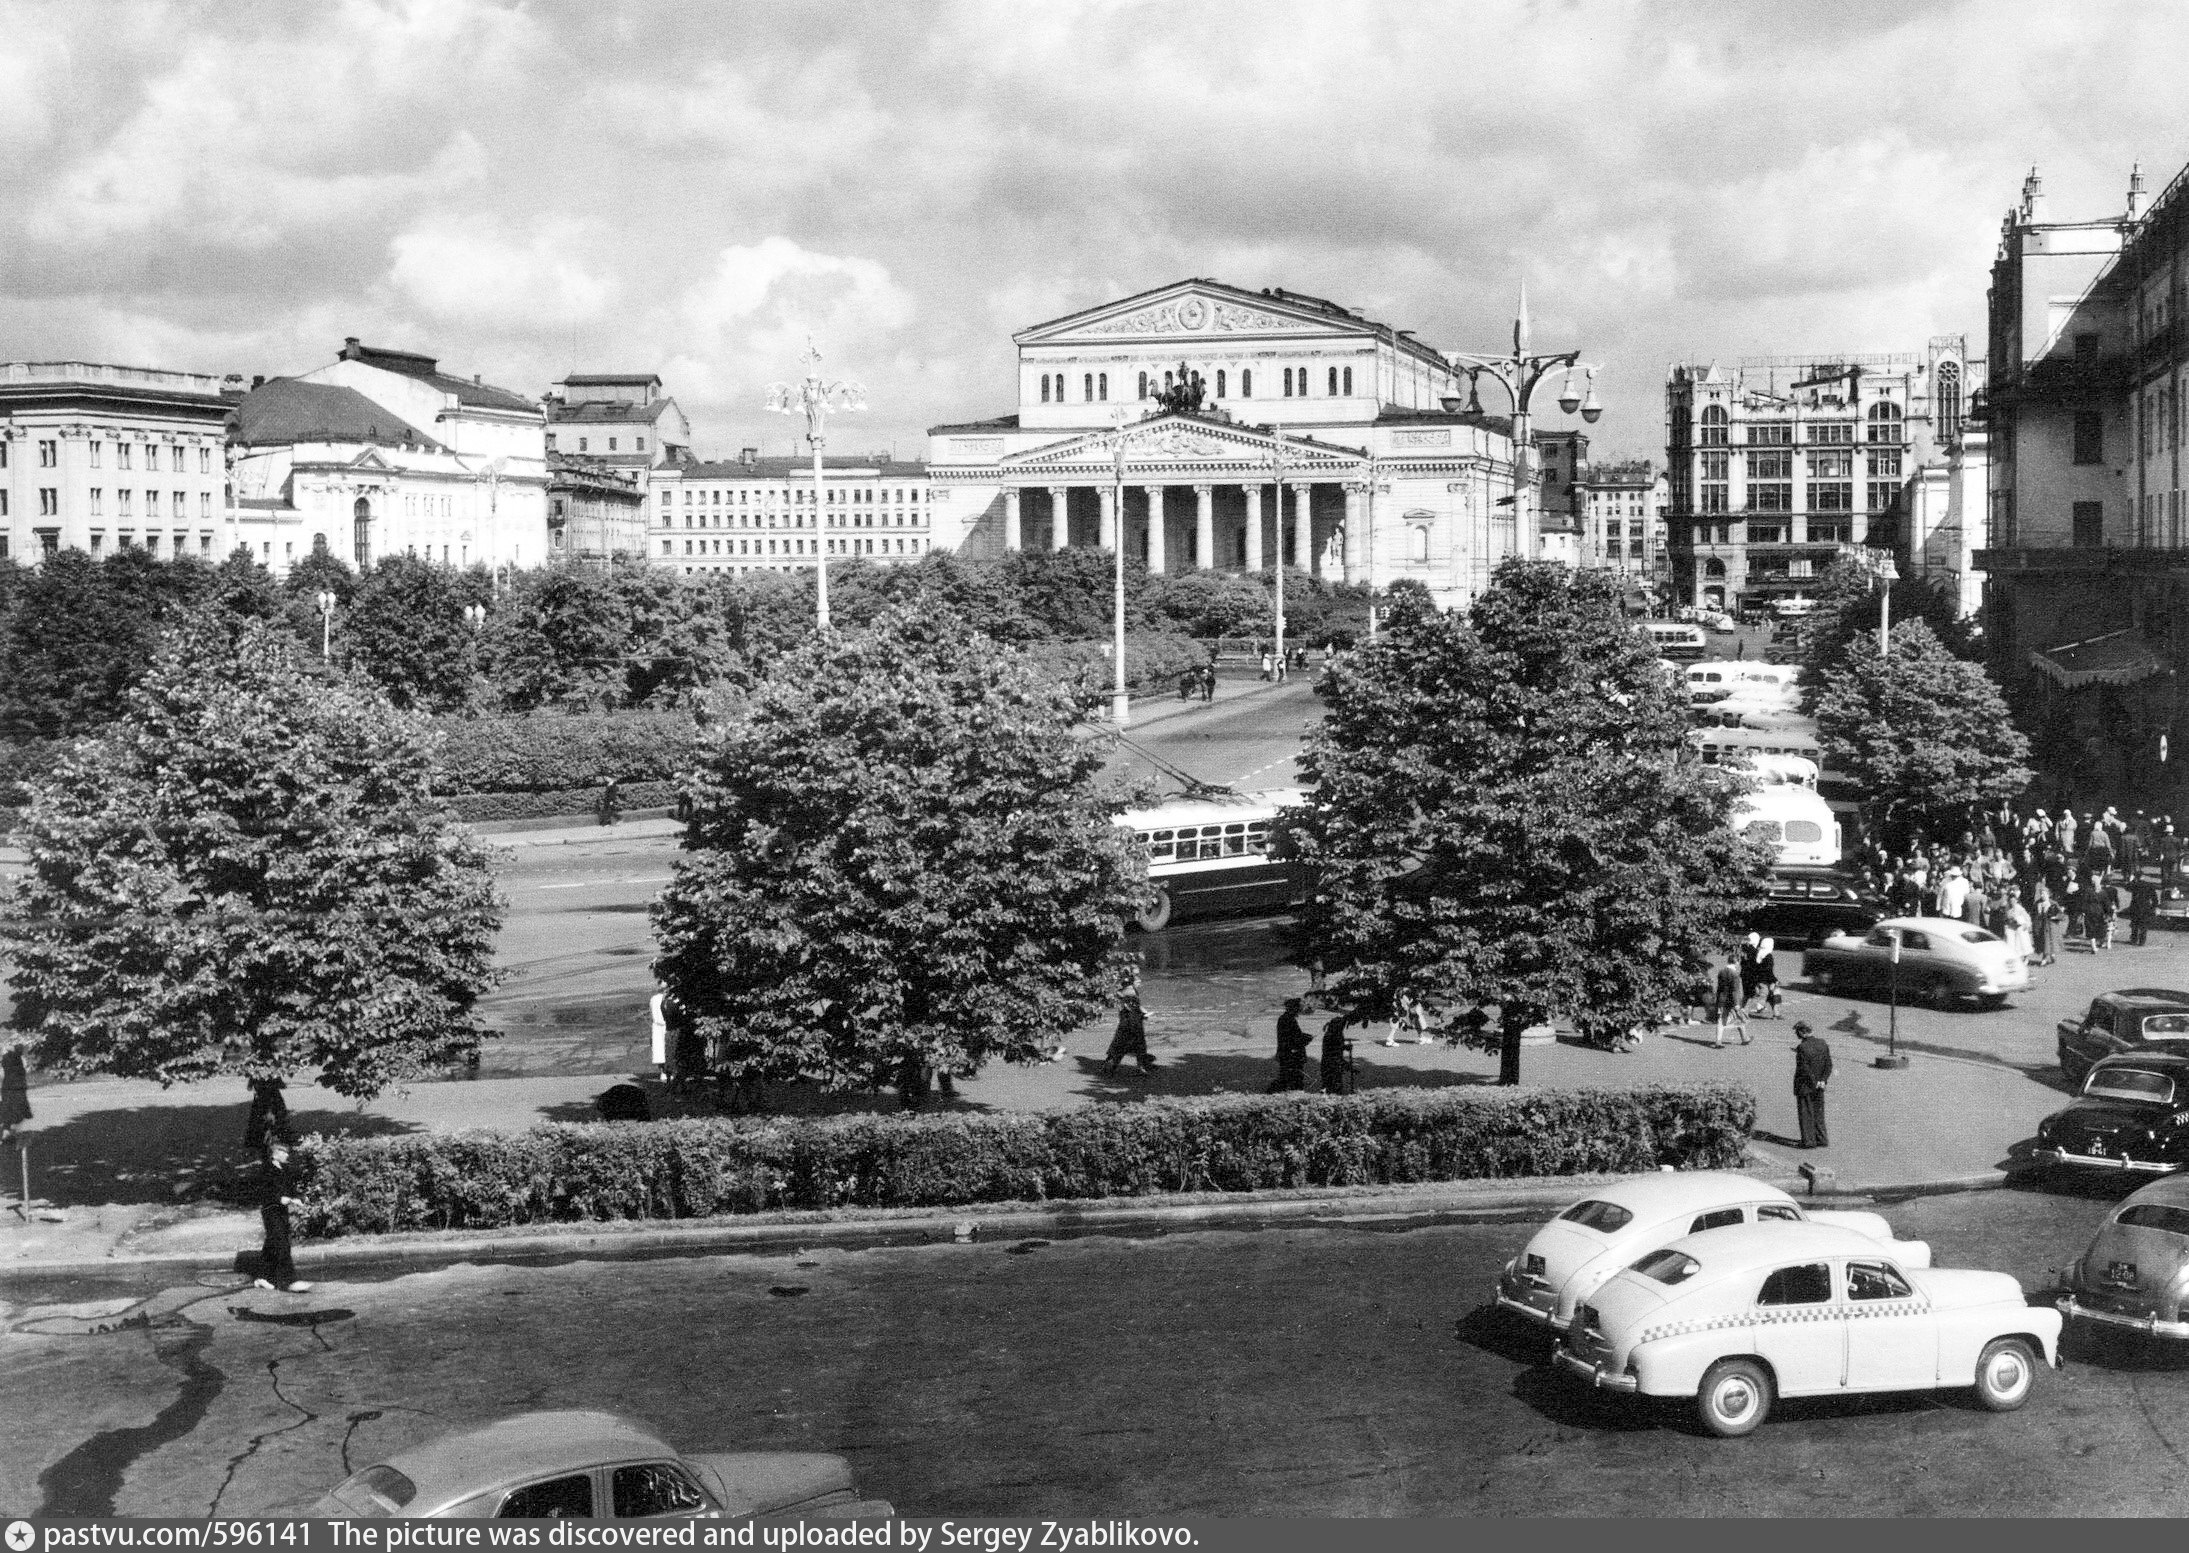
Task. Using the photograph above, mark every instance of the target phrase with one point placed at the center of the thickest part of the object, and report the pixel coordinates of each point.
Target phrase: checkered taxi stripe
(1789, 1315)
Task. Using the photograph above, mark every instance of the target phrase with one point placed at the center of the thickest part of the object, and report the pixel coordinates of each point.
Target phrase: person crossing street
(1812, 1071)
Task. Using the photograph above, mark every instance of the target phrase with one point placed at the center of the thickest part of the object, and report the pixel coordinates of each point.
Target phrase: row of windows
(49, 456)
(1885, 423)
(1240, 838)
(1780, 465)
(791, 496)
(791, 520)
(638, 444)
(1095, 386)
(151, 543)
(857, 545)
(180, 503)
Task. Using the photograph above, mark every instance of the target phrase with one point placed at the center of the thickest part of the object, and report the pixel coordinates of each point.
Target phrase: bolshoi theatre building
(1318, 432)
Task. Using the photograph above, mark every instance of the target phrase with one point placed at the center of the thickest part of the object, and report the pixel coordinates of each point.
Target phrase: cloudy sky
(692, 189)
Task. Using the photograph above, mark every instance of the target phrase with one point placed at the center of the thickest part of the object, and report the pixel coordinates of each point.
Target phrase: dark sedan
(1807, 905)
(2119, 1022)
(2132, 1116)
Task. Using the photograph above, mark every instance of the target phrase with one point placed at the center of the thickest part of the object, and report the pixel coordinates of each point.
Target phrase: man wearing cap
(1953, 893)
(1812, 1070)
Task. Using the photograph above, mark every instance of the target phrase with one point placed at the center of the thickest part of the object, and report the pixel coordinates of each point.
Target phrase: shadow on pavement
(164, 1153)
(1505, 1335)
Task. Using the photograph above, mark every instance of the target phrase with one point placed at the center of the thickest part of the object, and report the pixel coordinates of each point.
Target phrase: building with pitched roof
(381, 453)
(620, 420)
(1254, 423)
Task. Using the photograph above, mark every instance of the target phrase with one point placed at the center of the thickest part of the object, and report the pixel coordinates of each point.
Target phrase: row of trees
(77, 632)
(901, 857)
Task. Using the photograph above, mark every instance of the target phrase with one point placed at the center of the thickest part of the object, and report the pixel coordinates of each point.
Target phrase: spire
(1520, 321)
(2033, 198)
(2135, 188)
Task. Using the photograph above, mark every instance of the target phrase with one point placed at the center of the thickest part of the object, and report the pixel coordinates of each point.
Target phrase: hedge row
(693, 1169)
(556, 754)
(484, 808)
(1153, 660)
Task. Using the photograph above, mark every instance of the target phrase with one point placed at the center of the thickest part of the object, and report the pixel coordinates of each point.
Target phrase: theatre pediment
(1190, 310)
(1183, 442)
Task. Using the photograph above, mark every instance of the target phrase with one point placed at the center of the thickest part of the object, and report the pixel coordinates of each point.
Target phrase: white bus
(1208, 856)
(1796, 821)
(1680, 643)
(1733, 746)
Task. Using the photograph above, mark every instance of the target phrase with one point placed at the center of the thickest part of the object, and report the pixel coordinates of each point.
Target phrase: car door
(2094, 1037)
(656, 1490)
(1892, 1337)
(1799, 1329)
(566, 1498)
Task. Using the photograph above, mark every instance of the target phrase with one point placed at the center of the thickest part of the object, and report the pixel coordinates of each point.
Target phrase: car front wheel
(1735, 1398)
(1938, 993)
(2005, 1372)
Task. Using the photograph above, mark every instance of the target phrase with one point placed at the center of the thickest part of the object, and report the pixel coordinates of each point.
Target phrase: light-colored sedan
(1596, 1237)
(2135, 1276)
(591, 1466)
(1736, 1318)
(1942, 961)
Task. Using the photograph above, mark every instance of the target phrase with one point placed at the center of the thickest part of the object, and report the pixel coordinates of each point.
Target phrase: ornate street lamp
(326, 622)
(1120, 699)
(1277, 487)
(816, 400)
(1520, 373)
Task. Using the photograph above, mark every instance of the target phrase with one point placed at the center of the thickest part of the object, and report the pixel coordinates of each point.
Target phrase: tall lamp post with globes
(1277, 489)
(816, 399)
(1520, 372)
(325, 600)
(1120, 698)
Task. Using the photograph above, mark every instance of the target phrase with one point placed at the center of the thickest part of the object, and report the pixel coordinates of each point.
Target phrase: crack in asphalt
(273, 1375)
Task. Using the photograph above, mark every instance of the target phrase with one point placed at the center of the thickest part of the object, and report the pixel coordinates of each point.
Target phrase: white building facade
(758, 514)
(1321, 435)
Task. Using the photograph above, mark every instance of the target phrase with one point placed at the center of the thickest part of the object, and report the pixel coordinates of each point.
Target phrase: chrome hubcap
(1736, 1399)
(2008, 1376)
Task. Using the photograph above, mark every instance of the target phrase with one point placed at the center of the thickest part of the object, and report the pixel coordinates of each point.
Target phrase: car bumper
(2149, 1326)
(1519, 1306)
(1600, 1376)
(2059, 1156)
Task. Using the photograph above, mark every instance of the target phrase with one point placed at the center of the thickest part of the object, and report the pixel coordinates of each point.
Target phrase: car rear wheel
(1938, 993)
(2005, 1372)
(1155, 910)
(1735, 1398)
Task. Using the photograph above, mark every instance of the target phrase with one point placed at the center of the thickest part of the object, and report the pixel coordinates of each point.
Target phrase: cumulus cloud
(456, 272)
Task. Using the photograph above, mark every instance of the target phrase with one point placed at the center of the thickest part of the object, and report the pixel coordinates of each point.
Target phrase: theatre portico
(1317, 431)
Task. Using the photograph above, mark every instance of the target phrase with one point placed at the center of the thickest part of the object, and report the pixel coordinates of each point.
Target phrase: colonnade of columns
(1293, 519)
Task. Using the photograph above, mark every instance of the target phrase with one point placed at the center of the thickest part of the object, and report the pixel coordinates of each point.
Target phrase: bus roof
(1190, 810)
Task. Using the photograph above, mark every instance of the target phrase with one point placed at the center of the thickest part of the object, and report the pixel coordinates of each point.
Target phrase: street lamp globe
(1568, 400)
(1592, 408)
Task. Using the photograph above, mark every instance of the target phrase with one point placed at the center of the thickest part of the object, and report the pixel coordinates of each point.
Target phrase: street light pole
(1277, 487)
(816, 399)
(1120, 698)
(1520, 372)
(326, 623)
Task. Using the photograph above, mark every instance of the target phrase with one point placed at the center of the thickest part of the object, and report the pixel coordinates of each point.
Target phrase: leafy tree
(1066, 595)
(559, 636)
(675, 646)
(82, 632)
(1211, 603)
(1924, 733)
(245, 874)
(1501, 817)
(1847, 611)
(404, 626)
(898, 861)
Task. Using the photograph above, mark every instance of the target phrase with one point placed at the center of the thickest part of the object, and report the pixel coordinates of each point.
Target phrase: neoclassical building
(1320, 432)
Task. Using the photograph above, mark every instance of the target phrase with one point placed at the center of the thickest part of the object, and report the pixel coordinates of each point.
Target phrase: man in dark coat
(1291, 1050)
(1131, 1039)
(1812, 1071)
(267, 1130)
(1337, 1057)
(2143, 909)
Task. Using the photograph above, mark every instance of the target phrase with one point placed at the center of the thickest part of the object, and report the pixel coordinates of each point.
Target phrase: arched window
(1246, 382)
(1349, 380)
(1713, 568)
(1288, 382)
(1143, 386)
(1949, 398)
(1417, 548)
(1044, 388)
(1220, 384)
(362, 537)
(1167, 385)
(1086, 389)
(1715, 434)
(319, 544)
(1333, 382)
(1885, 421)
(1102, 386)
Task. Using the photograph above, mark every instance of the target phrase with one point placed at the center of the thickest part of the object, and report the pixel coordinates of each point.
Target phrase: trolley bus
(1210, 855)
(1678, 642)
(1799, 825)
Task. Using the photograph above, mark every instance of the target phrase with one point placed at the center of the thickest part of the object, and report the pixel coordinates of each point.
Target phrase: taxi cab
(1604, 1232)
(1736, 1318)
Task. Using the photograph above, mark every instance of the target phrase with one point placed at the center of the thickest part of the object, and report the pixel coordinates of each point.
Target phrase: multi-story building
(596, 514)
(1619, 505)
(380, 453)
(101, 458)
(1775, 467)
(620, 420)
(1946, 499)
(757, 514)
(2086, 604)
(1319, 434)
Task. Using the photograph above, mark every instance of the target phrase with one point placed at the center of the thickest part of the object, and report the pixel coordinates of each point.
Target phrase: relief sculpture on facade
(1192, 315)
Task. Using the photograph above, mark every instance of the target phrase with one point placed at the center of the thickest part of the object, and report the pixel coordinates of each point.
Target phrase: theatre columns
(1254, 528)
(1156, 556)
(1060, 518)
(1204, 526)
(1011, 531)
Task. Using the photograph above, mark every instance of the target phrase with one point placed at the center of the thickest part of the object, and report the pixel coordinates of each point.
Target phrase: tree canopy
(244, 873)
(1501, 815)
(898, 860)
(1847, 612)
(1924, 733)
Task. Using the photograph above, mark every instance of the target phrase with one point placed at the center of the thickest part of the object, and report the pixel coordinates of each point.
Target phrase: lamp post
(326, 622)
(1887, 574)
(1520, 372)
(1120, 699)
(1277, 489)
(816, 399)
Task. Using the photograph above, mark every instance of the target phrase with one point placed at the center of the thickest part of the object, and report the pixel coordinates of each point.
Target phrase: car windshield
(377, 1491)
(1977, 935)
(2130, 1084)
(1607, 1217)
(1668, 1266)
(2155, 1215)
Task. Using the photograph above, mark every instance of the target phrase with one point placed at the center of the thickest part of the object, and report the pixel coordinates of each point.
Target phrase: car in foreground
(1809, 905)
(579, 1465)
(2119, 1022)
(1737, 1318)
(1942, 961)
(2135, 1276)
(1588, 1242)
(2132, 1116)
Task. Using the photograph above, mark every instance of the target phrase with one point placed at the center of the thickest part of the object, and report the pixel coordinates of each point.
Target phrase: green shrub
(693, 1169)
(485, 808)
(554, 753)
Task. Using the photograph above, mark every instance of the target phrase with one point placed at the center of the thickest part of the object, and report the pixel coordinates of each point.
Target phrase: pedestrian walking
(1953, 893)
(2143, 910)
(2017, 935)
(2104, 911)
(1292, 1043)
(1726, 998)
(1186, 683)
(657, 1013)
(1812, 1071)
(2044, 916)
(1131, 1039)
(267, 1131)
(2098, 850)
(687, 1047)
(611, 802)
(1268, 664)
(1337, 1058)
(2169, 849)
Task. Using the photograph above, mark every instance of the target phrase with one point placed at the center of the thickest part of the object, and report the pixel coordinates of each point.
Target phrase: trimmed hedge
(559, 754)
(563, 1172)
(482, 808)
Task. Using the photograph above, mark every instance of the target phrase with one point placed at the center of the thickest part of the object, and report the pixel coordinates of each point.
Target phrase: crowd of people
(2041, 882)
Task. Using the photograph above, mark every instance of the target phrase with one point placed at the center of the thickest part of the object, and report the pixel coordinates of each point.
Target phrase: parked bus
(1730, 746)
(1798, 823)
(1210, 856)
(1680, 643)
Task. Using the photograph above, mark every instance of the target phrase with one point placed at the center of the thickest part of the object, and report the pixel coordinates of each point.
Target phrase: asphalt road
(577, 948)
(1291, 1371)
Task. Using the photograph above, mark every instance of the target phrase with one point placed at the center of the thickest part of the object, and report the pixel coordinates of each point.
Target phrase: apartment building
(758, 514)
